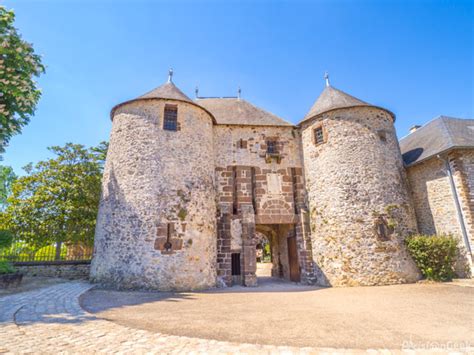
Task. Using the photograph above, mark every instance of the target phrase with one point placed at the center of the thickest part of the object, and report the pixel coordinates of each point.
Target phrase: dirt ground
(278, 313)
(31, 283)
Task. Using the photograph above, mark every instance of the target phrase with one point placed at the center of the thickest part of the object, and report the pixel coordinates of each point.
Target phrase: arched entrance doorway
(263, 255)
(276, 254)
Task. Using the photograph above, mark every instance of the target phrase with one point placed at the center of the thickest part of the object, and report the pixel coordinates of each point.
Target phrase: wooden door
(293, 260)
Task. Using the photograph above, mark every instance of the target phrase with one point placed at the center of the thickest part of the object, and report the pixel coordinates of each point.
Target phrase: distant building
(191, 187)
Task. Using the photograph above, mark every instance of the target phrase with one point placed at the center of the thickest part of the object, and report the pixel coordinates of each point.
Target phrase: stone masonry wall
(462, 163)
(229, 151)
(268, 186)
(360, 208)
(263, 181)
(156, 225)
(434, 201)
(63, 270)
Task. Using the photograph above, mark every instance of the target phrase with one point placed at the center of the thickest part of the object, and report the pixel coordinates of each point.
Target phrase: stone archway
(263, 254)
(277, 235)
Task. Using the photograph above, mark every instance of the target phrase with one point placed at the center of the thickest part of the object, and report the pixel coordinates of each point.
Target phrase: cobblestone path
(50, 320)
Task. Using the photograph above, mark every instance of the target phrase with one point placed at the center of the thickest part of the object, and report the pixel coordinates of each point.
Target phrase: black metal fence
(23, 252)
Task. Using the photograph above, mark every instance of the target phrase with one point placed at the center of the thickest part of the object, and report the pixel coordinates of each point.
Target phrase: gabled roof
(236, 111)
(332, 99)
(437, 136)
(166, 91)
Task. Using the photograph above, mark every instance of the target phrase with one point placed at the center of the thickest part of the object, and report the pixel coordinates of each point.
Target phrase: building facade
(191, 187)
(439, 159)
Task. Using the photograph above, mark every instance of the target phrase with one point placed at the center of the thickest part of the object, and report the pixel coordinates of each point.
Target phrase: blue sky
(413, 57)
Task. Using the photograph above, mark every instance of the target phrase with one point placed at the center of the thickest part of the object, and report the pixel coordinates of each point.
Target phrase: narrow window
(272, 147)
(235, 266)
(169, 231)
(382, 135)
(319, 135)
(170, 122)
(234, 191)
(242, 144)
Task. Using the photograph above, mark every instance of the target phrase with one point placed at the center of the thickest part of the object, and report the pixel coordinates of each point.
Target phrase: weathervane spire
(170, 75)
(239, 92)
(196, 92)
(326, 77)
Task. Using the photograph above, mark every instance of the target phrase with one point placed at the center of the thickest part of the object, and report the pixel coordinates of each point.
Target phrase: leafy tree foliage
(57, 201)
(6, 239)
(19, 93)
(7, 177)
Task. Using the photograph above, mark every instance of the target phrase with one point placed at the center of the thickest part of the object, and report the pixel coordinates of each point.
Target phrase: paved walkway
(50, 320)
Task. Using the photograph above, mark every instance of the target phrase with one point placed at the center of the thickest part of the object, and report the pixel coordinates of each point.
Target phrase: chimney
(414, 128)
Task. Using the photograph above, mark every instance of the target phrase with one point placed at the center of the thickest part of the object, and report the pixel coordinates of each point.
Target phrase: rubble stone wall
(66, 270)
(434, 201)
(462, 163)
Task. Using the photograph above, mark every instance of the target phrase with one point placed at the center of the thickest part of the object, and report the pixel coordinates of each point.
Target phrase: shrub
(434, 255)
(6, 268)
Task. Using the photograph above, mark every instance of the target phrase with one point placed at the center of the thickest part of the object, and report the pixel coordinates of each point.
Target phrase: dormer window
(170, 122)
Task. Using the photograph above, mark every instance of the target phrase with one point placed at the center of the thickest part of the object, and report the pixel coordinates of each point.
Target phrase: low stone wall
(64, 269)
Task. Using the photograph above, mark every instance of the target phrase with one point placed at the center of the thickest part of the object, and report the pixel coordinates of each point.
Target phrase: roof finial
(196, 92)
(170, 75)
(326, 76)
(239, 92)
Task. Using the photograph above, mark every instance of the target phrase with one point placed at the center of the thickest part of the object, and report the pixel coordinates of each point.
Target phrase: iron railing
(23, 252)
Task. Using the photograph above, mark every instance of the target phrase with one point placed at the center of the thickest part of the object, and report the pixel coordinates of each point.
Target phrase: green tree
(57, 201)
(7, 177)
(19, 65)
(6, 239)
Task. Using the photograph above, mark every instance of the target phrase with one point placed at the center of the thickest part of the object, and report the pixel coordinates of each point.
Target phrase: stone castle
(191, 187)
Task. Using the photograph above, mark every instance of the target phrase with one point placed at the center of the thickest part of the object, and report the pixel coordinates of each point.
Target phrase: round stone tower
(156, 223)
(360, 208)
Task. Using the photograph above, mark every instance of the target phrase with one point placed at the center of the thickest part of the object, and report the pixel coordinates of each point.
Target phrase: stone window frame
(168, 240)
(170, 118)
(275, 152)
(317, 127)
(274, 144)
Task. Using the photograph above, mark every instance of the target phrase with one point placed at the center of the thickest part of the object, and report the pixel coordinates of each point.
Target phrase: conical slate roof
(236, 111)
(166, 91)
(331, 99)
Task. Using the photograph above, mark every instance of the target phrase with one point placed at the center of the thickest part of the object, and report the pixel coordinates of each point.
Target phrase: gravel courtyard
(418, 315)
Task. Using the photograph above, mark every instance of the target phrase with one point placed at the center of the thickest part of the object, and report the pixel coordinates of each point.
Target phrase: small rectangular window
(242, 144)
(272, 147)
(318, 135)
(170, 122)
(382, 135)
